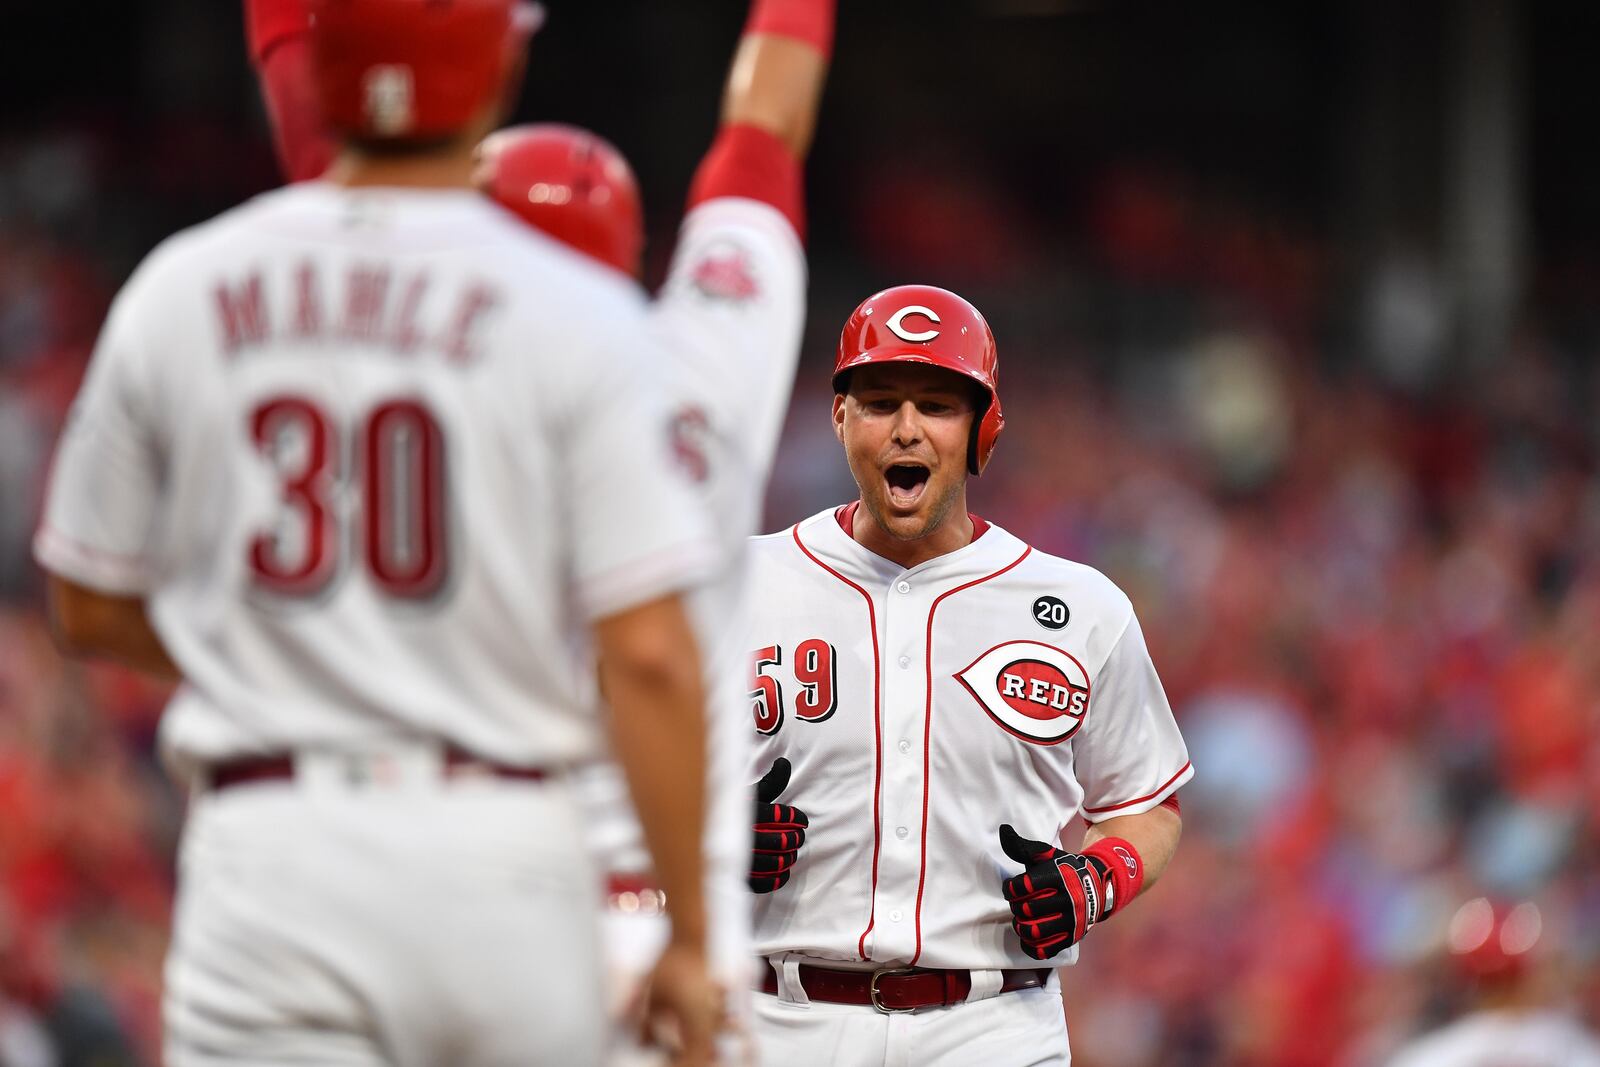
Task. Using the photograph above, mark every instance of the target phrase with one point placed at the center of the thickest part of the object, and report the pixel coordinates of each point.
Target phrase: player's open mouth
(906, 481)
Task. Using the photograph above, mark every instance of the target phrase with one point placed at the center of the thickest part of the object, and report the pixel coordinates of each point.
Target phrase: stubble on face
(912, 527)
(892, 459)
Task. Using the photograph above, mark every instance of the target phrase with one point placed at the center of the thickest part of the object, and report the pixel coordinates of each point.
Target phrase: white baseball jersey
(374, 457)
(728, 324)
(1505, 1039)
(921, 708)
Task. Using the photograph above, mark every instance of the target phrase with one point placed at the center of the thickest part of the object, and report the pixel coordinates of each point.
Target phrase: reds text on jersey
(374, 457)
(923, 707)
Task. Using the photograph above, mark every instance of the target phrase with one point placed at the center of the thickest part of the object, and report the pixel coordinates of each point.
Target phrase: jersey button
(905, 746)
(894, 916)
(904, 587)
(901, 832)
(905, 661)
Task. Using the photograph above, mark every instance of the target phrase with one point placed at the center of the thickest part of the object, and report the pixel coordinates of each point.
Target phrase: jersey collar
(846, 514)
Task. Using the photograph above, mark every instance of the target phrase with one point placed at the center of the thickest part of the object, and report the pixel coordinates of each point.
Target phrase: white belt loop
(985, 984)
(790, 990)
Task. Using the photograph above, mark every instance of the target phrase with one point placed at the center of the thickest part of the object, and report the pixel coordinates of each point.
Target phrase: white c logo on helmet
(913, 309)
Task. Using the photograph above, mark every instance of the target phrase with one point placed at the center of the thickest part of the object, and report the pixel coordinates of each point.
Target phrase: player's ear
(838, 416)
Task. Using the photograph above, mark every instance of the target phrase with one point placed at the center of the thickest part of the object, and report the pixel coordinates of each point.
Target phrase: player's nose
(907, 424)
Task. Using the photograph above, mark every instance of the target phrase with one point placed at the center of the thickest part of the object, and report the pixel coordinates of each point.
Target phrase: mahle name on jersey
(361, 307)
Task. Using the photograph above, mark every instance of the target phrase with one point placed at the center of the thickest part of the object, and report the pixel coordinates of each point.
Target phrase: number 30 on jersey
(815, 672)
(396, 476)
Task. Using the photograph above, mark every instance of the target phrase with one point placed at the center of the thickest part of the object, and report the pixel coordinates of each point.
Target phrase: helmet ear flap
(986, 427)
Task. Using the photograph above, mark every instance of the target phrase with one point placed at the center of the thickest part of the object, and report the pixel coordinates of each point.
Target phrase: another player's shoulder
(1457, 1042)
(1081, 587)
(174, 258)
(1542, 1037)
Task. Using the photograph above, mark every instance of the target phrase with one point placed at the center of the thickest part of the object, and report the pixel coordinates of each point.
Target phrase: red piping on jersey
(52, 534)
(1140, 800)
(927, 731)
(877, 731)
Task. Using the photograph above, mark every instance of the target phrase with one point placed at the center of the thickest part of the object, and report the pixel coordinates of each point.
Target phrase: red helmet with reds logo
(414, 70)
(926, 324)
(571, 184)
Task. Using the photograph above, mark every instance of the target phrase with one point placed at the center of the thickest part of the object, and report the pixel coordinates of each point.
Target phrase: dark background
(1296, 305)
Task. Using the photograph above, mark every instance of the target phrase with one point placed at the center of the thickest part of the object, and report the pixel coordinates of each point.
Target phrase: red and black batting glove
(780, 830)
(1059, 895)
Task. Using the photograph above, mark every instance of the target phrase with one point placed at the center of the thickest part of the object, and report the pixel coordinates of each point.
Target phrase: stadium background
(1298, 307)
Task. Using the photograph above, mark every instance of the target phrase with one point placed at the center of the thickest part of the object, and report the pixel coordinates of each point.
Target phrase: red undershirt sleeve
(279, 47)
(751, 162)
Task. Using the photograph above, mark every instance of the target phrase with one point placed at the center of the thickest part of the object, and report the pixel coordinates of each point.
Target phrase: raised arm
(278, 32)
(769, 108)
(776, 80)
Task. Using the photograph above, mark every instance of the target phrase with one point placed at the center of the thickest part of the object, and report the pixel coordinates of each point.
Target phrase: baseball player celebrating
(361, 461)
(729, 321)
(934, 702)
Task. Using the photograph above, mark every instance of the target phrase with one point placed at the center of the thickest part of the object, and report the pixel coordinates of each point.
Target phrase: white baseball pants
(1027, 1028)
(422, 922)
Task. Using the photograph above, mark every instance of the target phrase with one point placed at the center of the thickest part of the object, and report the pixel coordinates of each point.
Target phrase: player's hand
(684, 1009)
(780, 830)
(1056, 898)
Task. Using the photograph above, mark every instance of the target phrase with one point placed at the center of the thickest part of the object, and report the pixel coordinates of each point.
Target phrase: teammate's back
(370, 468)
(386, 403)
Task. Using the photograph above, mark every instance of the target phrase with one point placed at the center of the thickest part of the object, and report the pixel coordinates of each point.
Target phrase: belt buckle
(872, 989)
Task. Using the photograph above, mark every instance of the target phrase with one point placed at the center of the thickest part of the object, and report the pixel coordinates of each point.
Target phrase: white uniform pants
(435, 921)
(1027, 1028)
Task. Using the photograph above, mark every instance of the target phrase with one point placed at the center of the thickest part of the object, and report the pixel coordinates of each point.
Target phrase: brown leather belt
(456, 763)
(896, 989)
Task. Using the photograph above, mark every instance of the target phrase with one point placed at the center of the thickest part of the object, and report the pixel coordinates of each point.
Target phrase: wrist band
(1125, 867)
(807, 21)
(751, 162)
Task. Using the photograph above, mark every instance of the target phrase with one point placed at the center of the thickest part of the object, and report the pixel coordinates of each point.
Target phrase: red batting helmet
(925, 324)
(414, 69)
(1491, 940)
(570, 183)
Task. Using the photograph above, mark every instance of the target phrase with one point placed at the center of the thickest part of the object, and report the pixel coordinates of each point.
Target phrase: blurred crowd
(1367, 572)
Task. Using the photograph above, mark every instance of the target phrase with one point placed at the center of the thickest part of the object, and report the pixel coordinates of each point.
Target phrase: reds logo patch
(724, 274)
(1035, 691)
